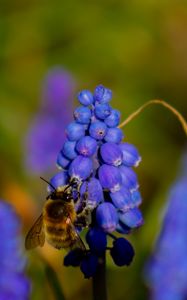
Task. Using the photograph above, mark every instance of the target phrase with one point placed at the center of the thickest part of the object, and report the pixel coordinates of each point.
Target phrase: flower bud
(132, 218)
(106, 216)
(86, 146)
(81, 167)
(102, 94)
(131, 157)
(110, 177)
(96, 240)
(114, 135)
(122, 228)
(136, 198)
(129, 178)
(62, 161)
(122, 252)
(89, 265)
(85, 97)
(102, 111)
(82, 114)
(69, 149)
(58, 180)
(122, 199)
(113, 119)
(74, 258)
(98, 130)
(75, 131)
(111, 154)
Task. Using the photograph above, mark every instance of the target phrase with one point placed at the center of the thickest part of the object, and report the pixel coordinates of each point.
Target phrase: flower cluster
(13, 282)
(46, 133)
(166, 271)
(96, 157)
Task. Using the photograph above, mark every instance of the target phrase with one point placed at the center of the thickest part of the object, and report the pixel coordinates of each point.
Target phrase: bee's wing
(36, 235)
(78, 241)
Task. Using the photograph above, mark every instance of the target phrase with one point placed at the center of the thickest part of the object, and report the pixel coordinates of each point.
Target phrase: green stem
(160, 102)
(52, 279)
(54, 282)
(99, 280)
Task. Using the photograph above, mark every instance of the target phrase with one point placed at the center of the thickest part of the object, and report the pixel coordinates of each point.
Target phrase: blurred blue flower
(47, 132)
(14, 284)
(166, 270)
(96, 157)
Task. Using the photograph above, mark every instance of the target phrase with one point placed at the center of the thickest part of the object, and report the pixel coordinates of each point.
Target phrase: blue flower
(122, 199)
(82, 114)
(13, 282)
(85, 98)
(129, 178)
(114, 135)
(113, 119)
(131, 218)
(74, 258)
(111, 154)
(102, 94)
(166, 270)
(102, 165)
(47, 131)
(110, 177)
(107, 217)
(97, 240)
(89, 264)
(102, 111)
(98, 130)
(59, 180)
(62, 161)
(122, 252)
(86, 146)
(69, 150)
(75, 131)
(131, 157)
(81, 168)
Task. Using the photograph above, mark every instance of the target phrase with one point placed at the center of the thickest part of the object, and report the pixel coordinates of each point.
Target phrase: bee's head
(67, 197)
(64, 194)
(60, 195)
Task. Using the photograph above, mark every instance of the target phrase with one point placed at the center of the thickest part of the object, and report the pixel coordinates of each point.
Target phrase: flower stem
(163, 103)
(99, 280)
(53, 280)
(54, 283)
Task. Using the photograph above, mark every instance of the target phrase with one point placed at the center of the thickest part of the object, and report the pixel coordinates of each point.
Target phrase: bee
(57, 222)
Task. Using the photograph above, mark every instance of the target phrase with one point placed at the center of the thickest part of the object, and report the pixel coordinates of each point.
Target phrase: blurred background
(136, 48)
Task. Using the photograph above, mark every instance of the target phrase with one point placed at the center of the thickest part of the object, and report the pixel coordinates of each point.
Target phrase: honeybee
(57, 222)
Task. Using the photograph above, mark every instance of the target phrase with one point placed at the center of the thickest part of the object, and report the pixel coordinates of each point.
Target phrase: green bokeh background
(136, 48)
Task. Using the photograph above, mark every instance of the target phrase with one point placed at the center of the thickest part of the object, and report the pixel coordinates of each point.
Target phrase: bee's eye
(68, 196)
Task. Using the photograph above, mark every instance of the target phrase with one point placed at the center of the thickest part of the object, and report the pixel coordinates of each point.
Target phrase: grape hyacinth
(13, 282)
(95, 156)
(46, 134)
(166, 270)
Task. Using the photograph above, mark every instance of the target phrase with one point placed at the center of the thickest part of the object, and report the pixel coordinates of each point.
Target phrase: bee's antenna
(48, 183)
(71, 184)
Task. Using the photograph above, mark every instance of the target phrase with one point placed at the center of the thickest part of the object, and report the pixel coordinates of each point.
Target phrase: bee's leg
(76, 195)
(84, 216)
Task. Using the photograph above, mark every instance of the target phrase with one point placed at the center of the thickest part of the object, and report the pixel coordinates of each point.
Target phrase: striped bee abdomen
(60, 236)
